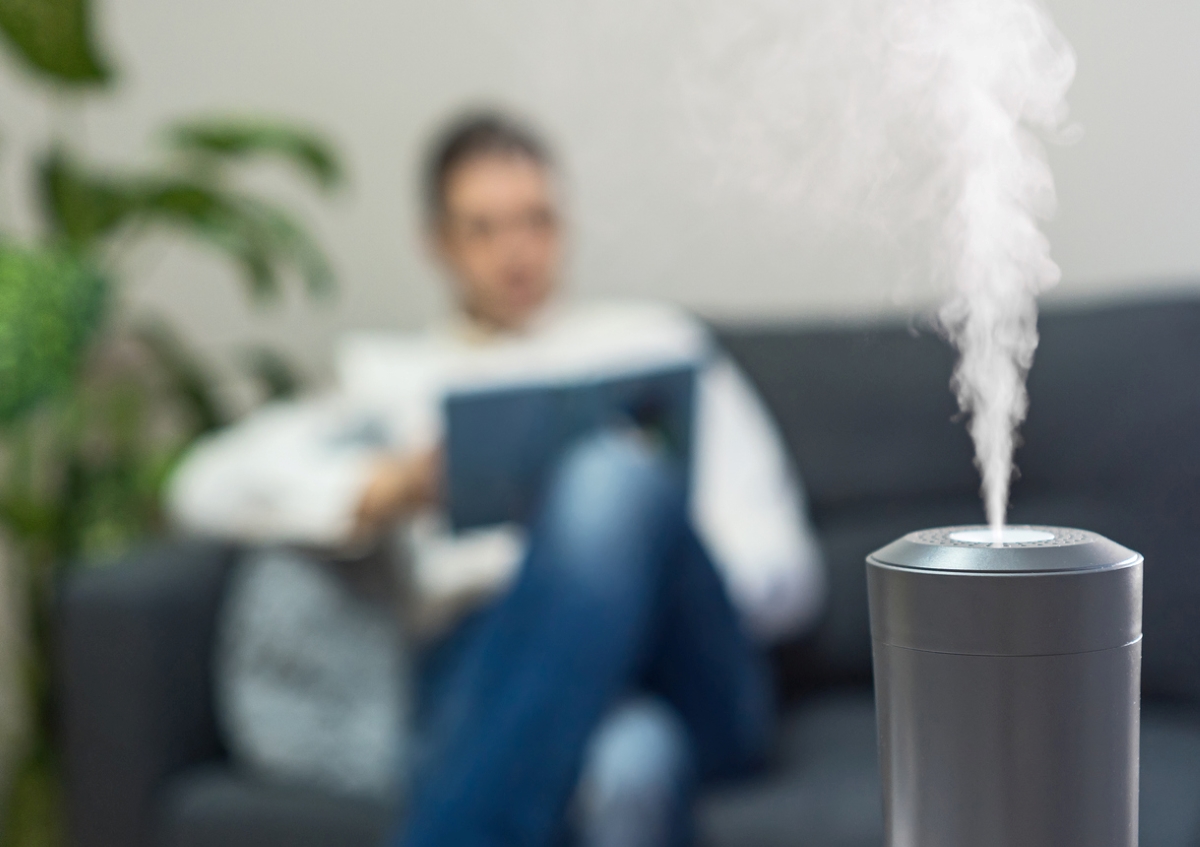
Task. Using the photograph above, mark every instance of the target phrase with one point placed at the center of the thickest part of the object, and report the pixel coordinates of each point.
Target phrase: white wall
(602, 78)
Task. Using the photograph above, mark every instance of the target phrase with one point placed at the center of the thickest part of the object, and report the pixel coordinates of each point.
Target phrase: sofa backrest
(1112, 444)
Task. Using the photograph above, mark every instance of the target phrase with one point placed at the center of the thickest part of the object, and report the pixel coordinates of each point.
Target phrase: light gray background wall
(603, 78)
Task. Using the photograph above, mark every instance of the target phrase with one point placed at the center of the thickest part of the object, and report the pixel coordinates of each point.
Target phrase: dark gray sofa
(1112, 444)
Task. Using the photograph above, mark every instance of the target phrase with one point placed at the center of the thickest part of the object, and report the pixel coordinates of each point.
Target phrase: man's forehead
(498, 181)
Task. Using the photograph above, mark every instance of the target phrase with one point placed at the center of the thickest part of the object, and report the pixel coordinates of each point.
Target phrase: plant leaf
(190, 381)
(233, 139)
(55, 38)
(219, 219)
(293, 244)
(279, 377)
(81, 207)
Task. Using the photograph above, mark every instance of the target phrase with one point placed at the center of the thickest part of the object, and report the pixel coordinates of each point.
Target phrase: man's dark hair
(471, 136)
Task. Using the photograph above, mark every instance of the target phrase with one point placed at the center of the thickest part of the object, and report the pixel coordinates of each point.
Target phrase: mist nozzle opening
(1007, 535)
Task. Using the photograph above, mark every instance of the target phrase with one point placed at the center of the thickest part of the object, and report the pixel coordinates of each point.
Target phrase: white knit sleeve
(290, 472)
(749, 509)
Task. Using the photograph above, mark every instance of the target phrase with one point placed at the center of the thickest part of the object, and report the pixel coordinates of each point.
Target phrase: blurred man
(600, 663)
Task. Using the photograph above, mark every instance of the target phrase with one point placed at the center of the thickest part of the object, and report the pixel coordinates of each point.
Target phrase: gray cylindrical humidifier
(1007, 687)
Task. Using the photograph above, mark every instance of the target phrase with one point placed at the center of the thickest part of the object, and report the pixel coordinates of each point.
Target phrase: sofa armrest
(134, 673)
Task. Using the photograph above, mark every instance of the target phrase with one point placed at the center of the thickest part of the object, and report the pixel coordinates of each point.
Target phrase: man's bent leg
(553, 654)
(704, 664)
(713, 717)
(638, 778)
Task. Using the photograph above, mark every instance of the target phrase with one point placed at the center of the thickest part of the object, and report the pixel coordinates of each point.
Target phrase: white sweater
(294, 472)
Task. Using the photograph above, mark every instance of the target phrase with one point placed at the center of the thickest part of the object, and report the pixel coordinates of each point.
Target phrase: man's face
(499, 237)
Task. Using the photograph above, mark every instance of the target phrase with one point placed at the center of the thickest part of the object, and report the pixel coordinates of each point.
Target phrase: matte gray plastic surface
(1006, 682)
(1066, 550)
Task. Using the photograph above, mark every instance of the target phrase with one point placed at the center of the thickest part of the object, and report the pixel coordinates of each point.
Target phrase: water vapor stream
(922, 119)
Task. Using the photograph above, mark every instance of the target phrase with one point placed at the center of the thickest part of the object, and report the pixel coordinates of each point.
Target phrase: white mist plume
(921, 119)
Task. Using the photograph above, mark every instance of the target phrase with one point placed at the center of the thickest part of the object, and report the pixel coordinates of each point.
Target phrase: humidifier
(1007, 670)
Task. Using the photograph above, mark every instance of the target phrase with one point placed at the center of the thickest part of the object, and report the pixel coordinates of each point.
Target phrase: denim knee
(614, 507)
(637, 777)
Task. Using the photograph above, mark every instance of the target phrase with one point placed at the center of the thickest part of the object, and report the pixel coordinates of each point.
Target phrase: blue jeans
(616, 596)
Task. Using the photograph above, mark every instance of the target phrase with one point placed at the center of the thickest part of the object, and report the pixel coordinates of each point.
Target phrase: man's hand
(398, 487)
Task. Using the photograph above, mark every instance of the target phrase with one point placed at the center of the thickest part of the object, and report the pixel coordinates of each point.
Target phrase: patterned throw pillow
(310, 678)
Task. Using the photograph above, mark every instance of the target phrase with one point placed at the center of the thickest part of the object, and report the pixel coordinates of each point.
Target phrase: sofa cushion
(866, 411)
(824, 791)
(216, 806)
(1170, 785)
(1114, 397)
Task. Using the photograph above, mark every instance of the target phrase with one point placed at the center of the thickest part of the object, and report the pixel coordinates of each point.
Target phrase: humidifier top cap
(1020, 549)
(1042, 591)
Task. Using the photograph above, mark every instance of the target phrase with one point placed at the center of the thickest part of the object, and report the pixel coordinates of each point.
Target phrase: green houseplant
(94, 411)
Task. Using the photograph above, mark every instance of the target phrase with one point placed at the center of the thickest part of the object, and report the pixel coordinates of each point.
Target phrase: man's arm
(312, 472)
(749, 507)
(398, 486)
